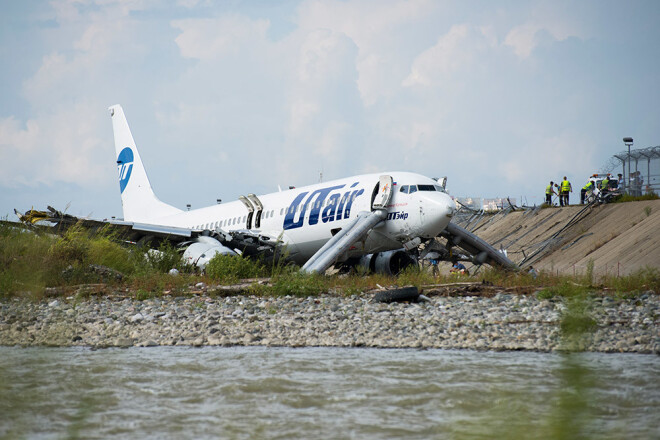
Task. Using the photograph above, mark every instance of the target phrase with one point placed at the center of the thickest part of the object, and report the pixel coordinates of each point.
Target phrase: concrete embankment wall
(619, 238)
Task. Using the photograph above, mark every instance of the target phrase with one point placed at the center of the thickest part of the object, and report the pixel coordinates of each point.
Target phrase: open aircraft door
(250, 208)
(260, 207)
(384, 195)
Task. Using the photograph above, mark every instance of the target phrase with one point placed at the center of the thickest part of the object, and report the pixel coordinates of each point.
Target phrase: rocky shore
(501, 321)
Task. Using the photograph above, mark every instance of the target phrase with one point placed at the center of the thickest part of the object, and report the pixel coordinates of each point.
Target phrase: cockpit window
(409, 189)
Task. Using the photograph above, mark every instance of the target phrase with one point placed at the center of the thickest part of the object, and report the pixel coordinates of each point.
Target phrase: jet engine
(203, 249)
(388, 263)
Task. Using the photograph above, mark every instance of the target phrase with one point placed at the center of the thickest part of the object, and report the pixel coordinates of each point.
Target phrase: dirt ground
(619, 238)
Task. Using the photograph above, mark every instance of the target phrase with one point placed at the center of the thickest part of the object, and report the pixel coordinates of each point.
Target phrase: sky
(232, 97)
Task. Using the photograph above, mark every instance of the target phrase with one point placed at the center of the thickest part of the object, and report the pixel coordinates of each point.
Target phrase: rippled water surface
(174, 392)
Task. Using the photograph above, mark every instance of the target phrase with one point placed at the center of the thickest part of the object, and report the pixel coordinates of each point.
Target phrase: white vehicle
(318, 224)
(596, 193)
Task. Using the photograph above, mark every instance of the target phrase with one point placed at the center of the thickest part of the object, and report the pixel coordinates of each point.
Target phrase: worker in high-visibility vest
(564, 190)
(605, 185)
(549, 191)
(583, 192)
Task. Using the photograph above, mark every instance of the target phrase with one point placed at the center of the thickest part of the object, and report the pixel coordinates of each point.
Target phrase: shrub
(161, 260)
(22, 256)
(231, 268)
(644, 279)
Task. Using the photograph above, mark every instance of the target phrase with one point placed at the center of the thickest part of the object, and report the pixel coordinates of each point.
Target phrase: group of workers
(606, 185)
(565, 188)
(562, 191)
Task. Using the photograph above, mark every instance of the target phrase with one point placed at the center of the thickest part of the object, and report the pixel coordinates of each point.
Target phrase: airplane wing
(131, 231)
(249, 242)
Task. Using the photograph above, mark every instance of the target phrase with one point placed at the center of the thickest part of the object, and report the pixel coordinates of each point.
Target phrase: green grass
(30, 262)
(233, 268)
(628, 198)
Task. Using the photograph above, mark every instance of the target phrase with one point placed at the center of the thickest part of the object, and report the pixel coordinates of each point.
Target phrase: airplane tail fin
(139, 202)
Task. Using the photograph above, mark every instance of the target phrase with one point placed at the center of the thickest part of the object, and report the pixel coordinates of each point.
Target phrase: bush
(161, 260)
(644, 279)
(232, 268)
(22, 257)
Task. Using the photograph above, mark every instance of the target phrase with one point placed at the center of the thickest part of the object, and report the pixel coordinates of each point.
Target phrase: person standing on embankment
(565, 189)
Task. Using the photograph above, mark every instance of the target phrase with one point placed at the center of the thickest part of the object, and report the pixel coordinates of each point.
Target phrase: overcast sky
(230, 97)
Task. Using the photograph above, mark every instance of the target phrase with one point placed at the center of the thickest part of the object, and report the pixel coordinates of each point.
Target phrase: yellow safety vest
(548, 189)
(604, 183)
(565, 185)
(588, 186)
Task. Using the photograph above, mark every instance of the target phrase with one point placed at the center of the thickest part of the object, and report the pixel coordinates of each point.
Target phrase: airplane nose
(439, 210)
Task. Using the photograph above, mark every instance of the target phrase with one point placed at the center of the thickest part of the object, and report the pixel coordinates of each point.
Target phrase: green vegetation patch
(629, 198)
(293, 282)
(232, 268)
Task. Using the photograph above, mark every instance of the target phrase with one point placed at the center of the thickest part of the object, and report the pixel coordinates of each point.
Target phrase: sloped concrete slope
(619, 238)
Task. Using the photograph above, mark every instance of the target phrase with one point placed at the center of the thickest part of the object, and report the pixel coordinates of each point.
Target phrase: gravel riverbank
(502, 321)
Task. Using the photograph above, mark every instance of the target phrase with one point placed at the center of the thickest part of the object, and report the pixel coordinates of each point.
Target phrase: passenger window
(404, 189)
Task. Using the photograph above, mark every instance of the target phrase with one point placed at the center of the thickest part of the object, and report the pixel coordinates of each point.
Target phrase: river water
(251, 393)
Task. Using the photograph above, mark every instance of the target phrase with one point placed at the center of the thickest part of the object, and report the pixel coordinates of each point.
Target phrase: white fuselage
(305, 218)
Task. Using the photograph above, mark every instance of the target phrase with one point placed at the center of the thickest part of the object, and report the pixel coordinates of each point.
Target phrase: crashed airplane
(377, 220)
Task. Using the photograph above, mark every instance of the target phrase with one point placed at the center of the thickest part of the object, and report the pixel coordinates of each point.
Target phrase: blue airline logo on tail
(125, 166)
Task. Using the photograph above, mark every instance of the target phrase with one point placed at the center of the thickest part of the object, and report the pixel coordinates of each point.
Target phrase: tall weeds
(32, 261)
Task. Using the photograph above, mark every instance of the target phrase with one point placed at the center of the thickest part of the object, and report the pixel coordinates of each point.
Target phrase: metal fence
(640, 169)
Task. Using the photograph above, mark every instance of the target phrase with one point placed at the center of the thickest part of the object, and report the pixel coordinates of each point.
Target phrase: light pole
(628, 141)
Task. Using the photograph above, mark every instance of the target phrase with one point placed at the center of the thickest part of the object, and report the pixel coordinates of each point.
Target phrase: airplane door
(384, 193)
(257, 217)
(250, 208)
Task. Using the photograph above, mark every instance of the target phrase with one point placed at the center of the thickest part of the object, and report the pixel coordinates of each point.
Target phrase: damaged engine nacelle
(388, 263)
(203, 249)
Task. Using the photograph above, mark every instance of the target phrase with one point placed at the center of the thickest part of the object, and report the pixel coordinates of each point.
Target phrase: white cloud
(377, 28)
(344, 86)
(210, 38)
(61, 147)
(525, 38)
(448, 55)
